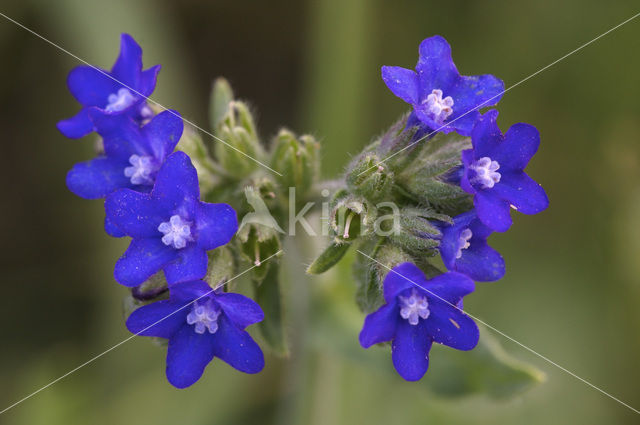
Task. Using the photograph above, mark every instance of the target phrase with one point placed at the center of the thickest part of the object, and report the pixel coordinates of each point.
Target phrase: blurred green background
(572, 285)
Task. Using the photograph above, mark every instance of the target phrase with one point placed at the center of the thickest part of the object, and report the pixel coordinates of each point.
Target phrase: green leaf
(269, 297)
(329, 258)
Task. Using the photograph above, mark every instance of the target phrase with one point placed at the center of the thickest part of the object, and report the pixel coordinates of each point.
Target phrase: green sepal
(366, 273)
(221, 266)
(426, 177)
(268, 296)
(221, 97)
(208, 171)
(415, 234)
(369, 178)
(352, 217)
(329, 257)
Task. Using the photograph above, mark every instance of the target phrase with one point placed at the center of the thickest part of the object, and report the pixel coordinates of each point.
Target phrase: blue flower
(442, 99)
(417, 313)
(464, 249)
(211, 326)
(494, 172)
(172, 229)
(132, 154)
(92, 88)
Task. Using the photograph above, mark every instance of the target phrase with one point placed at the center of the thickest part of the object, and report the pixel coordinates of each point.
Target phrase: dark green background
(572, 284)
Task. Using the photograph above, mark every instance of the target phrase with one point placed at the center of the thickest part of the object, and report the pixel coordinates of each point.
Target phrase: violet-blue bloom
(92, 88)
(494, 172)
(464, 249)
(211, 326)
(132, 154)
(443, 100)
(418, 312)
(171, 229)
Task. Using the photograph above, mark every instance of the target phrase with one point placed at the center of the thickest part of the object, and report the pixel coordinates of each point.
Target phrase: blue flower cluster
(419, 311)
(152, 195)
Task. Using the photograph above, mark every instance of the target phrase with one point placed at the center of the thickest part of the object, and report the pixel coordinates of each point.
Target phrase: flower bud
(296, 159)
(369, 177)
(239, 141)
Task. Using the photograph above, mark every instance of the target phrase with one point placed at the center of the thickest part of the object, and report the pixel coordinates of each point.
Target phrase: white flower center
(438, 108)
(486, 172)
(204, 317)
(119, 101)
(413, 307)
(142, 169)
(177, 232)
(463, 241)
(146, 112)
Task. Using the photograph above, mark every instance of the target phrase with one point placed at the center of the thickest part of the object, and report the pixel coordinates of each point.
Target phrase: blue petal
(188, 355)
(216, 224)
(90, 86)
(77, 126)
(450, 236)
(449, 326)
(148, 80)
(410, 350)
(237, 348)
(467, 159)
(142, 259)
(189, 291)
(121, 135)
(521, 191)
(471, 94)
(520, 143)
(481, 262)
(448, 287)
(242, 311)
(161, 319)
(401, 277)
(97, 178)
(111, 229)
(129, 63)
(492, 210)
(163, 133)
(486, 135)
(134, 213)
(402, 82)
(379, 326)
(177, 182)
(190, 264)
(435, 67)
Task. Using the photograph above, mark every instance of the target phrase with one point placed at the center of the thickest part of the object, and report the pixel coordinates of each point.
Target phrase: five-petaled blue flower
(172, 229)
(201, 324)
(464, 249)
(417, 313)
(442, 99)
(494, 172)
(122, 91)
(132, 154)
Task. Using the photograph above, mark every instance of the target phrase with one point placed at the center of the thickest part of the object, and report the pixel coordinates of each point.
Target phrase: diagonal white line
(506, 90)
(138, 93)
(130, 338)
(502, 333)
